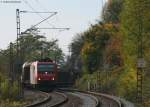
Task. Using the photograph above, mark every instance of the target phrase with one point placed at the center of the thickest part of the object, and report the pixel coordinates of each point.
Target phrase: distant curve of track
(78, 99)
(68, 98)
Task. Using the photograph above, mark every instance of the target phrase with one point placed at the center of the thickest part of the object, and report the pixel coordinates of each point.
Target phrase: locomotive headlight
(53, 78)
(39, 78)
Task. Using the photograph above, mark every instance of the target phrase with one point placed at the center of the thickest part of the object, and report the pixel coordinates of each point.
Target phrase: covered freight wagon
(65, 79)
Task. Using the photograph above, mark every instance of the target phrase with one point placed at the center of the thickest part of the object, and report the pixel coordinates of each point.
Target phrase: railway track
(54, 100)
(67, 99)
(35, 97)
(75, 98)
(107, 100)
(102, 100)
(79, 99)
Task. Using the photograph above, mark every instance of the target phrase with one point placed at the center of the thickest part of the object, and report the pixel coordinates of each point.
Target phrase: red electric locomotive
(39, 73)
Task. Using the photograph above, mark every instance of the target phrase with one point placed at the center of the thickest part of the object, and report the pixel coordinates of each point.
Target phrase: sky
(77, 15)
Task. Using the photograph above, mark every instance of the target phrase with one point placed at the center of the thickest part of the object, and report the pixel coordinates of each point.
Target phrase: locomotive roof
(26, 64)
(41, 60)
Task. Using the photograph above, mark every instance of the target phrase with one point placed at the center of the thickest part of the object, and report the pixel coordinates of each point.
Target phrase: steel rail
(117, 100)
(62, 102)
(46, 99)
(86, 93)
(45, 102)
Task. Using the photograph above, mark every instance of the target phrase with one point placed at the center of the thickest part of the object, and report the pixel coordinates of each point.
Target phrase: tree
(135, 27)
(112, 10)
(32, 47)
(74, 61)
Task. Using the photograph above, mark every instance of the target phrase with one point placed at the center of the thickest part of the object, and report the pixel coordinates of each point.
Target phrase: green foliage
(9, 90)
(112, 11)
(134, 29)
(33, 47)
(8, 93)
(126, 85)
(5, 89)
(86, 81)
(14, 90)
(74, 62)
(146, 87)
(97, 42)
(8, 103)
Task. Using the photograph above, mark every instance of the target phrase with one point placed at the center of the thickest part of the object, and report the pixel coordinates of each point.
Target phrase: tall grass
(8, 89)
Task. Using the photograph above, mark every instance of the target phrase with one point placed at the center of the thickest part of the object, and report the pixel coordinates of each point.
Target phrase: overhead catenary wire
(34, 11)
(38, 13)
(44, 9)
(55, 28)
(41, 22)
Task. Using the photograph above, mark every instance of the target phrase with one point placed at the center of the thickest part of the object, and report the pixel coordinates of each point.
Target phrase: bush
(15, 90)
(126, 85)
(9, 90)
(86, 82)
(4, 87)
(8, 103)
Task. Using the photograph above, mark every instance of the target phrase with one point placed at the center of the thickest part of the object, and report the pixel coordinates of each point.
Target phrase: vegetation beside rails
(119, 83)
(9, 103)
(8, 93)
(113, 43)
(112, 82)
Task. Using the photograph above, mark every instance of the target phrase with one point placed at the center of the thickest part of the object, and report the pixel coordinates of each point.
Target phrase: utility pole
(18, 29)
(18, 62)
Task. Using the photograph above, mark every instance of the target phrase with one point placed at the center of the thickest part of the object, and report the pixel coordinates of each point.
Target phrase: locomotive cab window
(45, 67)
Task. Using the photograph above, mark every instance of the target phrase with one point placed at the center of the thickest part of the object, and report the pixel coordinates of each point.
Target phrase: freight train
(44, 73)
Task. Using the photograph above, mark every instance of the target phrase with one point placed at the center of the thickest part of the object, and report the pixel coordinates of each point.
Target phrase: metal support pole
(18, 29)
(18, 60)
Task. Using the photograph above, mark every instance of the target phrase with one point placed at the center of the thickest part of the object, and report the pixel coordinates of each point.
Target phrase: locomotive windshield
(45, 67)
